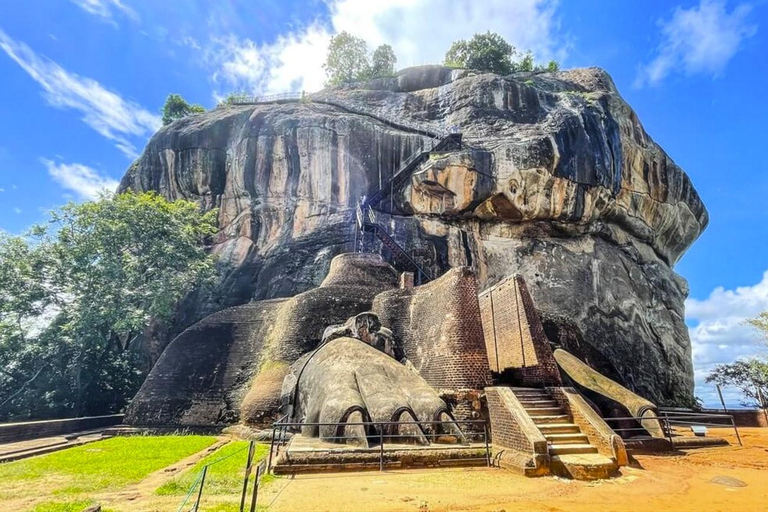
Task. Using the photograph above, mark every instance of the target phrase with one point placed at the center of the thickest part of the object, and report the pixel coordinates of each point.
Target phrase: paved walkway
(43, 445)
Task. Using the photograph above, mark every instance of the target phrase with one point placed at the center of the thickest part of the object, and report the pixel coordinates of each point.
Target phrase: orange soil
(670, 482)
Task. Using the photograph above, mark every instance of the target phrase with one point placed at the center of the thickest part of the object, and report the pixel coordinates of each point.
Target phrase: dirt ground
(708, 479)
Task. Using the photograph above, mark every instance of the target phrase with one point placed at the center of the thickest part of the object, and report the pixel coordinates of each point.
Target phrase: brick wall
(514, 336)
(513, 430)
(200, 376)
(439, 327)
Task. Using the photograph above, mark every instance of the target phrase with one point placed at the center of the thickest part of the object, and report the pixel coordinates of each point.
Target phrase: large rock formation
(558, 182)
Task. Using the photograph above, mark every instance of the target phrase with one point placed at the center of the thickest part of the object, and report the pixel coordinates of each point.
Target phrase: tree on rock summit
(177, 107)
(348, 60)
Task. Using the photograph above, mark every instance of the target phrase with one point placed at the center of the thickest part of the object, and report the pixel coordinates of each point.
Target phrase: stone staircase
(572, 455)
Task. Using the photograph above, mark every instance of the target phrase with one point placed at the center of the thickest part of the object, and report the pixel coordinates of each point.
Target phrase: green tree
(749, 375)
(176, 107)
(383, 61)
(347, 60)
(232, 97)
(78, 295)
(484, 52)
(553, 66)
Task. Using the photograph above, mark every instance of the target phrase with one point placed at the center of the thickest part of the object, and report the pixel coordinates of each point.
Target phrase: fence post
(735, 429)
(381, 447)
(200, 492)
(247, 474)
(272, 446)
(719, 392)
(255, 488)
(487, 447)
(669, 431)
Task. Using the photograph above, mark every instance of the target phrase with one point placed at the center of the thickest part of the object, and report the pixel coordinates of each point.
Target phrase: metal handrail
(270, 98)
(679, 419)
(281, 427)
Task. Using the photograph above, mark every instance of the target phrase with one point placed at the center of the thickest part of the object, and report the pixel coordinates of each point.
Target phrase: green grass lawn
(67, 478)
(223, 477)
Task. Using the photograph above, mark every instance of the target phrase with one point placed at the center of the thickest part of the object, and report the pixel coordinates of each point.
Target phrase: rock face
(557, 181)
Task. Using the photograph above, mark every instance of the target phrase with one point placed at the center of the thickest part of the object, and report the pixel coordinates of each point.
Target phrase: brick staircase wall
(517, 442)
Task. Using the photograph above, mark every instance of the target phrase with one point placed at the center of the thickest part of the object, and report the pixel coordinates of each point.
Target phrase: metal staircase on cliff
(367, 221)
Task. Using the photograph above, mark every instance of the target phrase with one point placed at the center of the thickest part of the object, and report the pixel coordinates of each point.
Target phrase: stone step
(538, 403)
(556, 418)
(559, 428)
(544, 411)
(589, 466)
(568, 438)
(571, 449)
(532, 394)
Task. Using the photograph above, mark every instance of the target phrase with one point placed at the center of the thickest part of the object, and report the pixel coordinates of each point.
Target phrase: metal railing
(668, 420)
(381, 433)
(199, 483)
(270, 98)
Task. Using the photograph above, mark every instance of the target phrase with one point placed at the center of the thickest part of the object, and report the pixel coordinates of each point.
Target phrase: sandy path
(673, 482)
(138, 496)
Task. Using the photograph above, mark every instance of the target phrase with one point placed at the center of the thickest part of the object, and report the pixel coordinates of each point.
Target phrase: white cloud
(83, 180)
(720, 334)
(420, 32)
(17, 210)
(103, 110)
(2, 190)
(105, 9)
(702, 39)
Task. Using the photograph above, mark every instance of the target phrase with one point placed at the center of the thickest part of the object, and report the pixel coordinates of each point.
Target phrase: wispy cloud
(18, 210)
(106, 9)
(699, 40)
(86, 182)
(294, 60)
(105, 111)
(719, 332)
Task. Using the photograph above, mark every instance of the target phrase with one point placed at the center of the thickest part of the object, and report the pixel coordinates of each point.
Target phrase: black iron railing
(668, 420)
(382, 433)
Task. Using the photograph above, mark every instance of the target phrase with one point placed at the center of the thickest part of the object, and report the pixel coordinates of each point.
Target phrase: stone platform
(308, 454)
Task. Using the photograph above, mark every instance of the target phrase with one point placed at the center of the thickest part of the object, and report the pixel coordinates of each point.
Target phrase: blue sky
(82, 82)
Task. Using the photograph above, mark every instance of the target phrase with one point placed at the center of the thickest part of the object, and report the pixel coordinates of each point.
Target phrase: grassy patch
(223, 477)
(104, 465)
(66, 506)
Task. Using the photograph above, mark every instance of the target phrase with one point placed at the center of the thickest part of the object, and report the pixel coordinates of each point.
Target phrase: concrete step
(590, 466)
(569, 438)
(555, 418)
(571, 449)
(559, 428)
(535, 402)
(544, 411)
(527, 396)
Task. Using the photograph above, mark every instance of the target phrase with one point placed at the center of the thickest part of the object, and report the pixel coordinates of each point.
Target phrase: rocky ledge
(557, 180)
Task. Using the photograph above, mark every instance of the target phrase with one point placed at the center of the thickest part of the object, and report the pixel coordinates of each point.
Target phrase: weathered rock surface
(559, 182)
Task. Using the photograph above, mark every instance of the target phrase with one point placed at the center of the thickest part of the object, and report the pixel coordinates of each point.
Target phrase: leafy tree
(553, 66)
(78, 295)
(383, 61)
(526, 63)
(347, 59)
(761, 324)
(484, 52)
(748, 375)
(230, 98)
(491, 52)
(176, 107)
